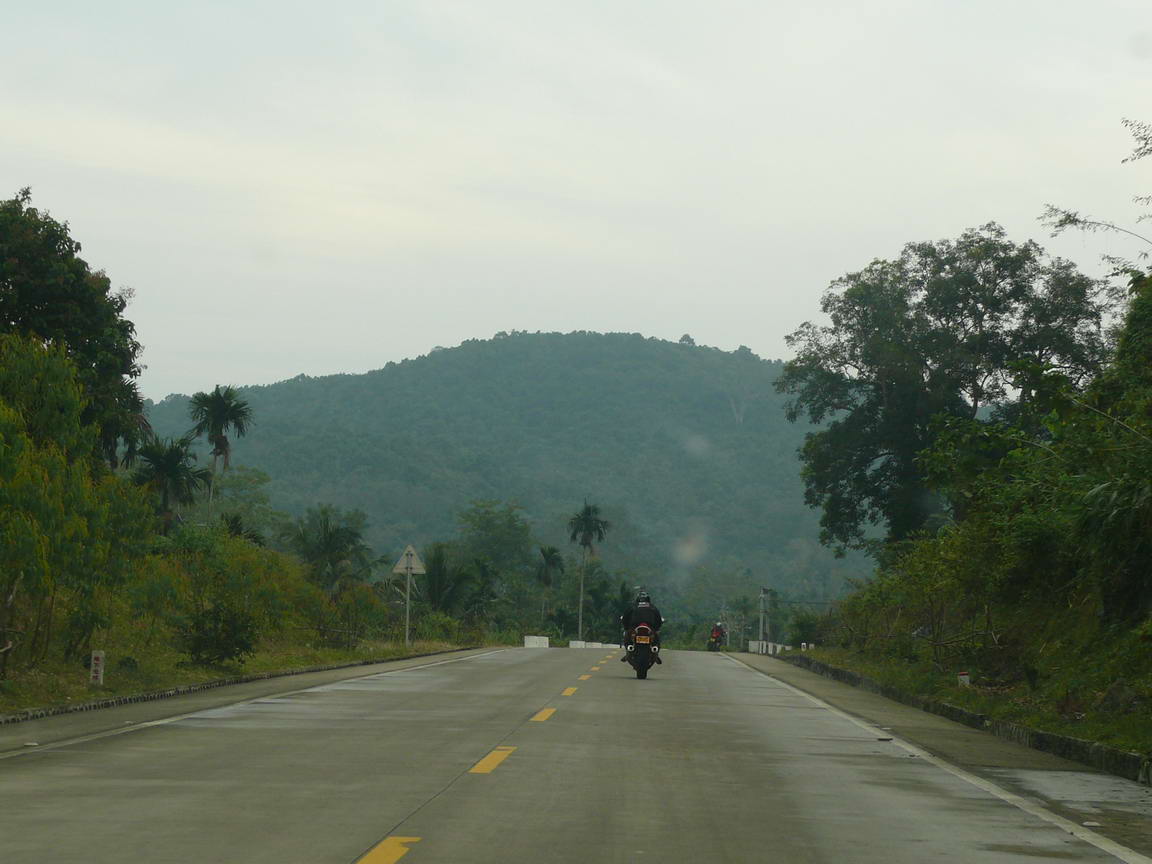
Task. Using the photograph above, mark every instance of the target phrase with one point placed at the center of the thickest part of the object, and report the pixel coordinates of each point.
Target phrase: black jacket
(642, 615)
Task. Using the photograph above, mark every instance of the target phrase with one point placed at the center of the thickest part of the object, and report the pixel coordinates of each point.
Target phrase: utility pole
(763, 614)
(407, 599)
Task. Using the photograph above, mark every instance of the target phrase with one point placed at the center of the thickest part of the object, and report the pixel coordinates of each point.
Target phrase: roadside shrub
(218, 634)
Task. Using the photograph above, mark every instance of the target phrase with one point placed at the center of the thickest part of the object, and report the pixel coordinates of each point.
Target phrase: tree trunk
(6, 643)
(212, 484)
(580, 608)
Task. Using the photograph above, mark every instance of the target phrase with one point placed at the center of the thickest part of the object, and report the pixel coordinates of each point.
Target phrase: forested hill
(686, 449)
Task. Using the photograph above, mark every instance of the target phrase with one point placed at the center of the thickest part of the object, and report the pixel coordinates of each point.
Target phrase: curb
(1122, 763)
(184, 689)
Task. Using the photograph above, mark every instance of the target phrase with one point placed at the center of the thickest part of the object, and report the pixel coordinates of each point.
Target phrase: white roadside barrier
(536, 642)
(576, 643)
(773, 648)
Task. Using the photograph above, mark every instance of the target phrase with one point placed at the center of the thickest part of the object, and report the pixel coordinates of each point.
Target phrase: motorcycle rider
(642, 612)
(718, 632)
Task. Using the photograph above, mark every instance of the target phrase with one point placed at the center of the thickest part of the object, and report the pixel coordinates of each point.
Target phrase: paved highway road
(519, 755)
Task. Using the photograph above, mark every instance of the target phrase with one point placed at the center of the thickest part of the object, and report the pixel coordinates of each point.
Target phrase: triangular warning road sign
(409, 563)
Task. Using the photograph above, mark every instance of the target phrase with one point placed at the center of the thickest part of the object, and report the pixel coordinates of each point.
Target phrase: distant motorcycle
(714, 643)
(642, 650)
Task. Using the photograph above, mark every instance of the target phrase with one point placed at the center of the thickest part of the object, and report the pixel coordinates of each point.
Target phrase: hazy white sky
(303, 187)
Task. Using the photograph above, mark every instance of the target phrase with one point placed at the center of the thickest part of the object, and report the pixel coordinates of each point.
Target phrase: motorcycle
(715, 642)
(642, 650)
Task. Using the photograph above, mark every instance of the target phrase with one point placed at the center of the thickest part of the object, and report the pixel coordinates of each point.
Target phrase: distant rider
(642, 612)
(718, 633)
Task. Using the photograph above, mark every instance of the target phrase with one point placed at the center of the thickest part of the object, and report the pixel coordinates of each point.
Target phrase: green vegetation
(216, 414)
(684, 449)
(1030, 571)
(46, 289)
(106, 541)
(948, 330)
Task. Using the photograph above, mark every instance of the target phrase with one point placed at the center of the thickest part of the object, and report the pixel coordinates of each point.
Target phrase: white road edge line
(108, 733)
(1123, 853)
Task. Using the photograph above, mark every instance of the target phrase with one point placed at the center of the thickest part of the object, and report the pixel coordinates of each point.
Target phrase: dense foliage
(948, 329)
(684, 448)
(48, 292)
(1034, 577)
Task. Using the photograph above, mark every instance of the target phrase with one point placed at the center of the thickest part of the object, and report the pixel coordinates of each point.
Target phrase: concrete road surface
(518, 755)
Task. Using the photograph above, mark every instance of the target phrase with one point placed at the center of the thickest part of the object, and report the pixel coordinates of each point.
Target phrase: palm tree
(442, 584)
(585, 528)
(216, 414)
(331, 543)
(166, 467)
(484, 592)
(235, 526)
(551, 562)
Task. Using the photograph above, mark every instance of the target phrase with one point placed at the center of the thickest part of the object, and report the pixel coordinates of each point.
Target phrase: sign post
(408, 565)
(96, 669)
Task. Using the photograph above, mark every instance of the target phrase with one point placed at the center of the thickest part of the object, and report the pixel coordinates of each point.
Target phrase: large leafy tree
(167, 467)
(498, 533)
(586, 527)
(48, 292)
(951, 328)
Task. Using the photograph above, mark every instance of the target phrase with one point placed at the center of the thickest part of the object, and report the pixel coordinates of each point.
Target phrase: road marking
(595, 668)
(96, 736)
(584, 677)
(568, 691)
(488, 764)
(388, 851)
(541, 716)
(1101, 842)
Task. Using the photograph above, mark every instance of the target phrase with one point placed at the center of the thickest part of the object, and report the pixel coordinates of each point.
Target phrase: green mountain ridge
(685, 448)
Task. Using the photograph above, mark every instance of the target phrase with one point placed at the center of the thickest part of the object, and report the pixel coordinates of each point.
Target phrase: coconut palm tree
(586, 527)
(551, 563)
(165, 466)
(216, 414)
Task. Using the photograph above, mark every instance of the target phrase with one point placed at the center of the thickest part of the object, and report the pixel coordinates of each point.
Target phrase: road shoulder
(19, 737)
(1122, 808)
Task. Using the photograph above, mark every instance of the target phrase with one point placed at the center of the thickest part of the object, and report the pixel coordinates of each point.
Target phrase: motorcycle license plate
(643, 640)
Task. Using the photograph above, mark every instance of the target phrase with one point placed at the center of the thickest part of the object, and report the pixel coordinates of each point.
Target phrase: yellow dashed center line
(568, 691)
(488, 764)
(595, 668)
(585, 677)
(541, 716)
(389, 850)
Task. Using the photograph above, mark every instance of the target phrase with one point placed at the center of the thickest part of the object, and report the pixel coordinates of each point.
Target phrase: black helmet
(643, 597)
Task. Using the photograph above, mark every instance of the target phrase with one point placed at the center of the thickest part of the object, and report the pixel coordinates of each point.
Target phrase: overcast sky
(306, 187)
